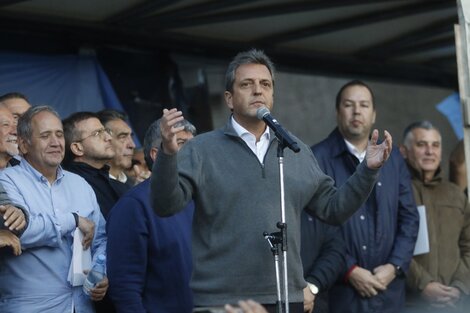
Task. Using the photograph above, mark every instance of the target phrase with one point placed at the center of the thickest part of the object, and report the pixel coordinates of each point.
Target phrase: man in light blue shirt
(57, 202)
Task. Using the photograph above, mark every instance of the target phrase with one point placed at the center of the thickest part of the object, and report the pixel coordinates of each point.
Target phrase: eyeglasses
(98, 133)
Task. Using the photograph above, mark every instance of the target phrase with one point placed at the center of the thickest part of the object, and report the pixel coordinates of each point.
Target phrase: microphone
(285, 139)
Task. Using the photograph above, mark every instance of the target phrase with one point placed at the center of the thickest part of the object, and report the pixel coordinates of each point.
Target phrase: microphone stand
(277, 239)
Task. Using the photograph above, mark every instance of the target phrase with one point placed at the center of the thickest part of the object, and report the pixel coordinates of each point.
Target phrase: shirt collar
(121, 178)
(351, 148)
(242, 132)
(38, 175)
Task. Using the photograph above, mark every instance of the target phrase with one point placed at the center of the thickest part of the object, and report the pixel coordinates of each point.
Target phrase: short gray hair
(408, 132)
(252, 56)
(24, 128)
(153, 137)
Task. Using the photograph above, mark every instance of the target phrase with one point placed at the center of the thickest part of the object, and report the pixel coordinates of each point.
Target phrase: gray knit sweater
(237, 198)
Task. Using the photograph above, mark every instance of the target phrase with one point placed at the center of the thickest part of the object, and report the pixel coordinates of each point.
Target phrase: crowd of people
(182, 221)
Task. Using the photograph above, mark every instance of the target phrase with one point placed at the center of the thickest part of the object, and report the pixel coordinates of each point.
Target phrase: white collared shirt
(121, 178)
(359, 155)
(259, 148)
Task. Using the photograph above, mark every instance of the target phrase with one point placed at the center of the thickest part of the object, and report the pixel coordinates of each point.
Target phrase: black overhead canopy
(395, 40)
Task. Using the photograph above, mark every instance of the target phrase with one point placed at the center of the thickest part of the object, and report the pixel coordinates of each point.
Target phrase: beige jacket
(448, 219)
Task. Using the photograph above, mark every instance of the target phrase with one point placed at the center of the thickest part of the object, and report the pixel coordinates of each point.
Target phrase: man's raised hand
(167, 123)
(377, 154)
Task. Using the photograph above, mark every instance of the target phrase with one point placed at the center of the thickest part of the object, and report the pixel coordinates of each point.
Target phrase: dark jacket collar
(84, 167)
(337, 145)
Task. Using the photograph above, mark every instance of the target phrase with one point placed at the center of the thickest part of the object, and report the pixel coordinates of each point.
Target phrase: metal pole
(283, 232)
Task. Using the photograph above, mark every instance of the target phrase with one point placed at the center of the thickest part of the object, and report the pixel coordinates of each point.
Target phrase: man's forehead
(5, 114)
(184, 135)
(89, 124)
(16, 103)
(429, 135)
(253, 70)
(355, 91)
(119, 126)
(46, 121)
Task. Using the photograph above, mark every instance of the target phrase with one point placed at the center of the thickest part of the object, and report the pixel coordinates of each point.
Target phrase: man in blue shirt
(57, 202)
(149, 257)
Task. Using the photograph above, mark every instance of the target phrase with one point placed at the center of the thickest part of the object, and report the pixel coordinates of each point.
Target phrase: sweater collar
(229, 130)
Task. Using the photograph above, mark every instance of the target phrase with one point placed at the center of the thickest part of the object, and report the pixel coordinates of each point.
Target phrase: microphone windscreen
(262, 112)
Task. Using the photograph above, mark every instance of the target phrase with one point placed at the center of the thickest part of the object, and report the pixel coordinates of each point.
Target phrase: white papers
(422, 242)
(81, 260)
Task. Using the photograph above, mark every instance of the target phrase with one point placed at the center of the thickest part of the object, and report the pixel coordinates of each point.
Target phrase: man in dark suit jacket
(381, 235)
(323, 256)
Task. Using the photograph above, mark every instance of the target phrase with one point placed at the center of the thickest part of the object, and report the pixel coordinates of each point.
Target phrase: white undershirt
(359, 155)
(259, 148)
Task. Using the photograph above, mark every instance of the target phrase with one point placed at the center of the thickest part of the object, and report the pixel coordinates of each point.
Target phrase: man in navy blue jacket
(381, 235)
(323, 258)
(149, 257)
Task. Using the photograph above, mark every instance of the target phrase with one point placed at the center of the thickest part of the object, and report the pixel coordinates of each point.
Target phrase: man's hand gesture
(385, 274)
(169, 119)
(376, 155)
(440, 295)
(88, 229)
(365, 283)
(14, 217)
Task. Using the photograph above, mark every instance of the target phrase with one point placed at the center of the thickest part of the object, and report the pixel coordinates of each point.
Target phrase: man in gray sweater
(232, 174)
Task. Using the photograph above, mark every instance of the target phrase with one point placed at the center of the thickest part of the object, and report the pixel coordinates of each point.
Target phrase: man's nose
(131, 144)
(55, 140)
(429, 149)
(257, 88)
(13, 130)
(107, 137)
(356, 109)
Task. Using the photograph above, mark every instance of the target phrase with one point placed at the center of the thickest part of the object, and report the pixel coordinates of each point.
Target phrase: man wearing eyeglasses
(88, 151)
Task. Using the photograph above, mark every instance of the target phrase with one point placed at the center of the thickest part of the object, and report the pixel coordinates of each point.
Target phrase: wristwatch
(313, 289)
(398, 271)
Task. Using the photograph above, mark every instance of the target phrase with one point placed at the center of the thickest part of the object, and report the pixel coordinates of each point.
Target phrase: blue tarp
(69, 83)
(451, 109)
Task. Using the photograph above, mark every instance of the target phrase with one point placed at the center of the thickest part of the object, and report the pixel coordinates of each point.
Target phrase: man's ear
(22, 146)
(228, 99)
(77, 149)
(153, 153)
(403, 151)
